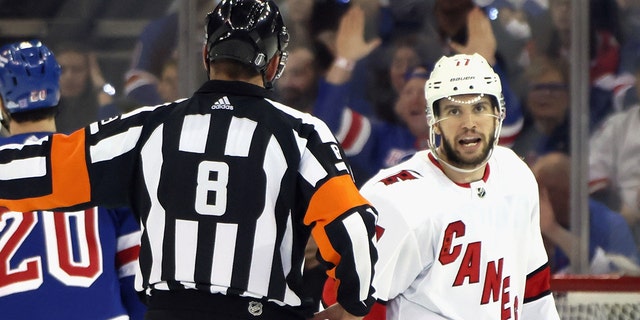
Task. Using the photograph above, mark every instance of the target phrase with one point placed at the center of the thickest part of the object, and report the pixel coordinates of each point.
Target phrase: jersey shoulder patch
(400, 176)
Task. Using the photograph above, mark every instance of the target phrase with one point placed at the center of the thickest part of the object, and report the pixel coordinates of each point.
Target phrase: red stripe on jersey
(507, 140)
(335, 197)
(355, 127)
(379, 232)
(598, 184)
(329, 297)
(69, 176)
(330, 292)
(127, 255)
(538, 283)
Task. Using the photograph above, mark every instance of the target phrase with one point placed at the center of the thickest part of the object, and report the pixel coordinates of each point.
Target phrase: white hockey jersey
(460, 251)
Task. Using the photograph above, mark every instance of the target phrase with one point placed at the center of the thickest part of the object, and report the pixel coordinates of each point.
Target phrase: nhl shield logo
(481, 192)
(255, 308)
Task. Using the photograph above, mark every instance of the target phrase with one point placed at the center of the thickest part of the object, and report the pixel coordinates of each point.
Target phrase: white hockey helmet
(461, 74)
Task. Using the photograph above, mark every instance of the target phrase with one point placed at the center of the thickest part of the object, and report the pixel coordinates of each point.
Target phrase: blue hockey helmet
(29, 77)
(249, 31)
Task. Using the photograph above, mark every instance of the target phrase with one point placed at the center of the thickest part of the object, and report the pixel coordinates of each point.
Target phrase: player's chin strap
(434, 148)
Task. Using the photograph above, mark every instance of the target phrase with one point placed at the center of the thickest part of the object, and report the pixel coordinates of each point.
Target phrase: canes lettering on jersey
(495, 286)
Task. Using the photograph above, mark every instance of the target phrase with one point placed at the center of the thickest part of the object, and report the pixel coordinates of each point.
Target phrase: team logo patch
(255, 308)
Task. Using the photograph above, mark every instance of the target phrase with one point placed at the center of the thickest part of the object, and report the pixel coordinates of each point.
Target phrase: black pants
(195, 304)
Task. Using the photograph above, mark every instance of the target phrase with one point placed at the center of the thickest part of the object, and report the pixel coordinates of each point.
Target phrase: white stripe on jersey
(127, 241)
(355, 226)
(128, 269)
(94, 127)
(152, 162)
(119, 144)
(345, 124)
(341, 166)
(223, 255)
(323, 131)
(274, 166)
(24, 168)
(186, 238)
(194, 128)
(362, 137)
(239, 137)
(285, 254)
(311, 170)
(30, 141)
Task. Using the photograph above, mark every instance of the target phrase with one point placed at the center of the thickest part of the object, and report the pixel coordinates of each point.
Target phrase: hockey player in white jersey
(459, 226)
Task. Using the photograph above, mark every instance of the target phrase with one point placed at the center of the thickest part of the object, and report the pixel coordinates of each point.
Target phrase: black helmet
(249, 31)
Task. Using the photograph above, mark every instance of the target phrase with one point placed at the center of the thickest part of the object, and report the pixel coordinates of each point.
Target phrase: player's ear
(205, 60)
(272, 68)
(436, 128)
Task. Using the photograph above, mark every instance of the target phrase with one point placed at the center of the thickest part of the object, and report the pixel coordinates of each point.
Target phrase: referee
(228, 186)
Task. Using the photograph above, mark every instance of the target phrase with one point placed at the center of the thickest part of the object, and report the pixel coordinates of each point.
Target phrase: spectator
(168, 85)
(297, 15)
(59, 265)
(85, 96)
(614, 153)
(547, 104)
(465, 28)
(608, 231)
(298, 85)
(389, 65)
(372, 144)
(604, 51)
(155, 47)
(342, 51)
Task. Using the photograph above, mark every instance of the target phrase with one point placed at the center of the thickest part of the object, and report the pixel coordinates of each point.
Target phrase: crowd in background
(361, 66)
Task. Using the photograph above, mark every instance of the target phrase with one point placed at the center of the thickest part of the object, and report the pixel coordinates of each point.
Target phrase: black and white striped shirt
(227, 184)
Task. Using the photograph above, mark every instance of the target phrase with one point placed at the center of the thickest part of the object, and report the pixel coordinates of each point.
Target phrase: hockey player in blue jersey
(58, 265)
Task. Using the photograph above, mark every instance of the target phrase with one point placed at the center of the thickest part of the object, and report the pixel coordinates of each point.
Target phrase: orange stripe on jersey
(538, 283)
(69, 175)
(335, 197)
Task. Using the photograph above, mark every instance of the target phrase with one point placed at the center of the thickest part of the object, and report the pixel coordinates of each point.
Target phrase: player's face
(466, 126)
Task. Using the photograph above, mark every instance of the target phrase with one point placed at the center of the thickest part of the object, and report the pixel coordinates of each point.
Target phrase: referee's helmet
(249, 31)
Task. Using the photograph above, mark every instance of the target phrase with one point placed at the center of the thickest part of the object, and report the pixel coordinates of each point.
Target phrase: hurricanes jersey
(460, 251)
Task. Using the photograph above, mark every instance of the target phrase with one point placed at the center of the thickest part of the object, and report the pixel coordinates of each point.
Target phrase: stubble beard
(454, 158)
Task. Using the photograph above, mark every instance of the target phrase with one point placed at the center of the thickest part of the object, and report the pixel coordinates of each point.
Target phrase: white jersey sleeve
(601, 155)
(400, 255)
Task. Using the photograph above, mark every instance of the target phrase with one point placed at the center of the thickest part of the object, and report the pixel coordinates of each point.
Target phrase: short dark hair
(35, 115)
(234, 69)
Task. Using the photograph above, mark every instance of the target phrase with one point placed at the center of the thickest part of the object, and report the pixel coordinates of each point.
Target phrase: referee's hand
(334, 312)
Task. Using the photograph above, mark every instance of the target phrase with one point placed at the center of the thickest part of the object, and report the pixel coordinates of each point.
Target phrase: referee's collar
(239, 88)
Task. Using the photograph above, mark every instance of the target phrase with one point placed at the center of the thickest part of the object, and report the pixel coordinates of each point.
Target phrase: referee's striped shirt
(227, 184)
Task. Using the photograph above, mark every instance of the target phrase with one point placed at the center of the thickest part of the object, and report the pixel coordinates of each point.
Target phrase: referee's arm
(344, 231)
